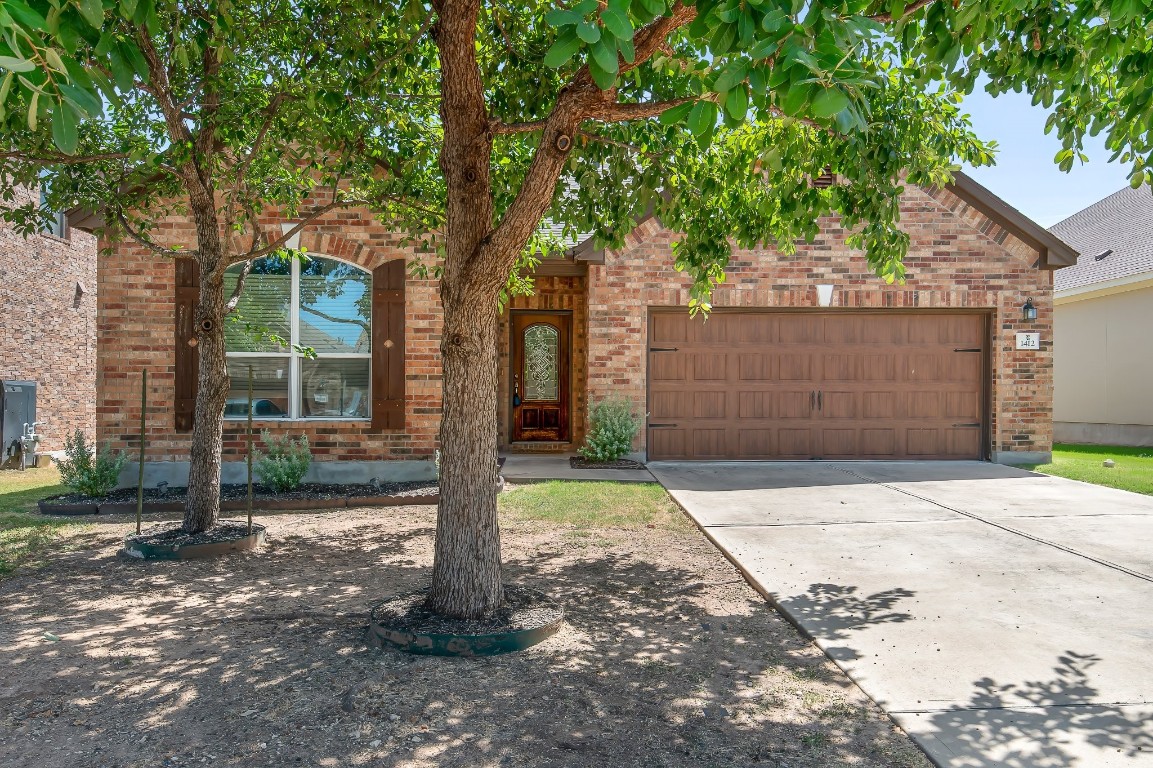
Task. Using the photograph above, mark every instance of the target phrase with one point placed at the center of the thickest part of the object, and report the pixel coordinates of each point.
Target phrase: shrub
(612, 426)
(283, 466)
(87, 472)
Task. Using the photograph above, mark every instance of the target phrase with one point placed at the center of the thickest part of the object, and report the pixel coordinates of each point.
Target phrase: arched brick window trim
(187, 361)
(388, 345)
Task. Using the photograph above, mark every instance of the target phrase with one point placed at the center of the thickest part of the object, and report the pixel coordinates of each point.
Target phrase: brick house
(781, 370)
(48, 327)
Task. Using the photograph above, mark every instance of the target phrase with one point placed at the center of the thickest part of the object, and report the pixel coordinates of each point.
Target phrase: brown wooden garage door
(761, 385)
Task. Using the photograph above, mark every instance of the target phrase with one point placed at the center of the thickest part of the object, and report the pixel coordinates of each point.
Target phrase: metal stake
(250, 450)
(140, 475)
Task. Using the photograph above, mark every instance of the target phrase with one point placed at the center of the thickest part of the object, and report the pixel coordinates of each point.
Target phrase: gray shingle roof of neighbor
(1121, 223)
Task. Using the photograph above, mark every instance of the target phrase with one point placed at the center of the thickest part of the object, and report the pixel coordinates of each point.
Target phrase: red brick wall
(956, 260)
(136, 331)
(48, 330)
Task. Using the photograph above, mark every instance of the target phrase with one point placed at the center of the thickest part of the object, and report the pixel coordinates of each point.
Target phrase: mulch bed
(308, 491)
(169, 536)
(577, 462)
(523, 609)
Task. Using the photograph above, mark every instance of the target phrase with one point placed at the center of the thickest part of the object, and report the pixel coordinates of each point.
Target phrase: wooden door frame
(565, 371)
(987, 315)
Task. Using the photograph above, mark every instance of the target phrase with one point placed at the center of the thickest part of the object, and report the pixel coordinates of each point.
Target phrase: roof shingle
(1122, 223)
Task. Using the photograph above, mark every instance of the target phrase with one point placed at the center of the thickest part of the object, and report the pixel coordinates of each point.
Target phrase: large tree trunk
(202, 508)
(466, 576)
(466, 571)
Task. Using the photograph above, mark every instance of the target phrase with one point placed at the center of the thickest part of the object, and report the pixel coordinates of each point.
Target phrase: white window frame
(295, 394)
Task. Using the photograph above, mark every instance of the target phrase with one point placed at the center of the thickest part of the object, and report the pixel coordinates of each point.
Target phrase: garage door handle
(968, 349)
(813, 400)
(974, 424)
(662, 349)
(820, 400)
(661, 426)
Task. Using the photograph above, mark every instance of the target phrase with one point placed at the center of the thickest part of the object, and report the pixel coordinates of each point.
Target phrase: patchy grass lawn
(595, 505)
(25, 536)
(666, 659)
(1133, 470)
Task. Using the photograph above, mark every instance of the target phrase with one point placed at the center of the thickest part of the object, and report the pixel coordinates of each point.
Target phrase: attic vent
(826, 179)
(1103, 255)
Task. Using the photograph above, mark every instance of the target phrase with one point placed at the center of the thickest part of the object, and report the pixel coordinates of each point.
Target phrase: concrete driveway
(1003, 618)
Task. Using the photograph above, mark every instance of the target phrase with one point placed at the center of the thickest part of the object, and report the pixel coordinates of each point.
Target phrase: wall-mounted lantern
(1028, 312)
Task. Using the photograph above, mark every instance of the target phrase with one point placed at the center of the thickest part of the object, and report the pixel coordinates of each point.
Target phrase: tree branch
(234, 299)
(140, 238)
(334, 319)
(61, 158)
(613, 112)
(257, 251)
(887, 18)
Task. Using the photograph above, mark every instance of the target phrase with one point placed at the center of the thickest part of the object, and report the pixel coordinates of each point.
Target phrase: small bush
(87, 472)
(283, 466)
(612, 426)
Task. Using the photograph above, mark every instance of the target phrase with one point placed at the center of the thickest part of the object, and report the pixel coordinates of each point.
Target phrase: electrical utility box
(17, 408)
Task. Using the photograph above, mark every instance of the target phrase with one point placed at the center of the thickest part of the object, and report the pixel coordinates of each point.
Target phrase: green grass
(25, 537)
(595, 505)
(1133, 470)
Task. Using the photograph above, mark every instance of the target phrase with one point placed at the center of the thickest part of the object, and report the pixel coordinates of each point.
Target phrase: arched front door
(540, 376)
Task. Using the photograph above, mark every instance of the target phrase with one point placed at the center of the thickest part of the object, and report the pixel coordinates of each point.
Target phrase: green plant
(612, 426)
(88, 472)
(283, 466)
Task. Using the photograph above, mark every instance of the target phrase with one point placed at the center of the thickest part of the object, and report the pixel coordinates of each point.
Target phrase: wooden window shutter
(388, 345)
(187, 357)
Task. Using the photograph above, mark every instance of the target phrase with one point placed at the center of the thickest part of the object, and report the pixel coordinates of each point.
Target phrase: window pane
(335, 389)
(269, 387)
(541, 363)
(264, 306)
(335, 306)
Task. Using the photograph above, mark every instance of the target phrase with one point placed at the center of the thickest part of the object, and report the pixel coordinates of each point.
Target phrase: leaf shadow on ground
(832, 612)
(667, 659)
(1041, 723)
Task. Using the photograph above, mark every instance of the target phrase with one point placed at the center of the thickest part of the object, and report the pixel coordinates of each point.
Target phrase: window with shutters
(318, 303)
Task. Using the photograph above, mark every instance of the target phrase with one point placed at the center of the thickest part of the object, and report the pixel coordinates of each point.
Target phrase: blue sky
(1025, 175)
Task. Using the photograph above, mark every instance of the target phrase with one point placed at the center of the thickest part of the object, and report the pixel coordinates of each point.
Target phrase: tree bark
(466, 572)
(202, 508)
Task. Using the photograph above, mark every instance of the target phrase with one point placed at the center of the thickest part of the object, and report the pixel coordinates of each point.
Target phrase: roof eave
(1055, 252)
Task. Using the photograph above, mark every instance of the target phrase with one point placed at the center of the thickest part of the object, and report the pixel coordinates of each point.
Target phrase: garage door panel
(878, 405)
(755, 366)
(795, 443)
(839, 443)
(756, 444)
(839, 405)
(891, 385)
(795, 367)
(710, 366)
(669, 443)
(878, 443)
(794, 404)
(710, 405)
(666, 366)
(671, 329)
(710, 443)
(839, 367)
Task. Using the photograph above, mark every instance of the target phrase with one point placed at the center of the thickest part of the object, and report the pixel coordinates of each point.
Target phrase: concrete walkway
(1003, 618)
(533, 468)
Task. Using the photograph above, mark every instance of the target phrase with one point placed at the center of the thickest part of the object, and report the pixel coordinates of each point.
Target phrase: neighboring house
(1103, 322)
(924, 370)
(48, 331)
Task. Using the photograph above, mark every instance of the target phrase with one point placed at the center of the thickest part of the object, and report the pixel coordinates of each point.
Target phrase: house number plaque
(1028, 341)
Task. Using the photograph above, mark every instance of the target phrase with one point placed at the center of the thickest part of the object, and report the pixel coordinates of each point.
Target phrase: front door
(540, 376)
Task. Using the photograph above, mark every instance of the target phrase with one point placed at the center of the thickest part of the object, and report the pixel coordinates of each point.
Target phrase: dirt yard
(667, 658)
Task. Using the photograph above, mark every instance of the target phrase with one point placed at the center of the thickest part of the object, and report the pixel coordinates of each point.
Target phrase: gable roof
(1121, 223)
